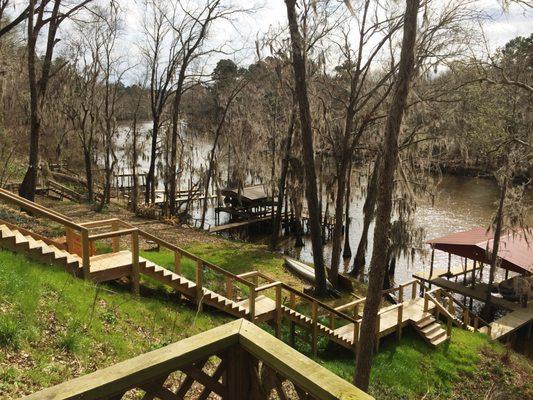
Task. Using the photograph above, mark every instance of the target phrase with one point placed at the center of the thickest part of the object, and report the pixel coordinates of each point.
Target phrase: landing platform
(110, 266)
(413, 311)
(510, 322)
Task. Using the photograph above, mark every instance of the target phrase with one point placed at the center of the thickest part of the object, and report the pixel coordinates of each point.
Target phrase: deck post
(314, 318)
(449, 263)
(252, 302)
(449, 327)
(238, 375)
(426, 302)
(199, 283)
(229, 288)
(400, 322)
(400, 294)
(431, 265)
(474, 275)
(177, 262)
(85, 253)
(116, 239)
(278, 311)
(413, 294)
(135, 272)
(356, 336)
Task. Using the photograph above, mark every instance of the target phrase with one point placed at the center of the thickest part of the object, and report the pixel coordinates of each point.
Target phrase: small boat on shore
(307, 273)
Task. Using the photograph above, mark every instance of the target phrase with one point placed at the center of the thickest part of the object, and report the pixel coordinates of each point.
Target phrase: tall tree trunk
(282, 182)
(298, 63)
(135, 156)
(378, 265)
(347, 251)
(368, 216)
(149, 194)
(87, 159)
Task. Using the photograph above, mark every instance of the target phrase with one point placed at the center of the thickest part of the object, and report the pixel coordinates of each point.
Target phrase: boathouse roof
(250, 194)
(515, 251)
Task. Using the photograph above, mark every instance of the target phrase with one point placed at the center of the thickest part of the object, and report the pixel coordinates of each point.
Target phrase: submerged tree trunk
(347, 251)
(149, 194)
(368, 215)
(298, 63)
(384, 200)
(282, 181)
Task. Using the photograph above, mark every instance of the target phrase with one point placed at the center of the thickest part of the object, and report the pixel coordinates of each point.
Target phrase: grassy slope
(53, 327)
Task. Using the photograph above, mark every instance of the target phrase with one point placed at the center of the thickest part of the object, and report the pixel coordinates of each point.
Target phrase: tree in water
(306, 130)
(384, 197)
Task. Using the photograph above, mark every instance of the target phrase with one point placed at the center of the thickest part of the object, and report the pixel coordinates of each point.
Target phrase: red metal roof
(515, 251)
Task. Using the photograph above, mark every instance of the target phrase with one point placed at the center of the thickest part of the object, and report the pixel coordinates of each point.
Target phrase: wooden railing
(68, 224)
(236, 361)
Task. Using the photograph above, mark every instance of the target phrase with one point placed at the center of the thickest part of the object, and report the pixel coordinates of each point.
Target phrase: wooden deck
(413, 312)
(478, 292)
(510, 322)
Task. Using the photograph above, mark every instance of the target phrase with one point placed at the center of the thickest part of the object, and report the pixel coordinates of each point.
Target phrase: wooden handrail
(38, 209)
(101, 223)
(350, 304)
(112, 234)
(267, 286)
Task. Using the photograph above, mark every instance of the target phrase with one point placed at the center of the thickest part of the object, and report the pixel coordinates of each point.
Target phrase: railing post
(116, 239)
(314, 318)
(331, 320)
(292, 301)
(177, 262)
(356, 336)
(252, 302)
(449, 326)
(413, 294)
(199, 282)
(278, 311)
(476, 323)
(400, 294)
(400, 322)
(426, 302)
(466, 317)
(85, 253)
(135, 272)
(229, 288)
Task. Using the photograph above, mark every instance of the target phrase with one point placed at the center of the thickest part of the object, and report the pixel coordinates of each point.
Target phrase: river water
(461, 203)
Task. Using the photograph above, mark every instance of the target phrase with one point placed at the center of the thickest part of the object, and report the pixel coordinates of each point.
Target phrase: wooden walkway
(511, 322)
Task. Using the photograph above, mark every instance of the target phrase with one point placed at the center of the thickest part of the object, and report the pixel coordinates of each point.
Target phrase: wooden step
(428, 329)
(436, 334)
(441, 339)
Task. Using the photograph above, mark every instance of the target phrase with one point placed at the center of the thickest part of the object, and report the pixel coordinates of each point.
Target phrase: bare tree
(384, 196)
(39, 16)
(300, 73)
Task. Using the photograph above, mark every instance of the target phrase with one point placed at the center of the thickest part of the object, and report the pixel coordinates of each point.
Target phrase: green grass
(54, 326)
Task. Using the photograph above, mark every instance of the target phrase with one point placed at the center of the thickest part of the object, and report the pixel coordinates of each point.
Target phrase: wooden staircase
(431, 330)
(38, 250)
(188, 289)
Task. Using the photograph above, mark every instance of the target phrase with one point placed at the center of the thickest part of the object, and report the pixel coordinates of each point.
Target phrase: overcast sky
(500, 26)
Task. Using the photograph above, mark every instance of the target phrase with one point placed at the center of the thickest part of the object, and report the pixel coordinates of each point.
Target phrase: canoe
(307, 273)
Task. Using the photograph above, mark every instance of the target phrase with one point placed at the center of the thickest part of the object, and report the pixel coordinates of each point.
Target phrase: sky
(499, 26)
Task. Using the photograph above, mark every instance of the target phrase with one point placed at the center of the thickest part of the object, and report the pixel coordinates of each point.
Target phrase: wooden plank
(294, 366)
(144, 368)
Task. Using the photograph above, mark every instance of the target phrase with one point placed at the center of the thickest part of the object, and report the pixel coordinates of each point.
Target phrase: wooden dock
(238, 224)
(511, 322)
